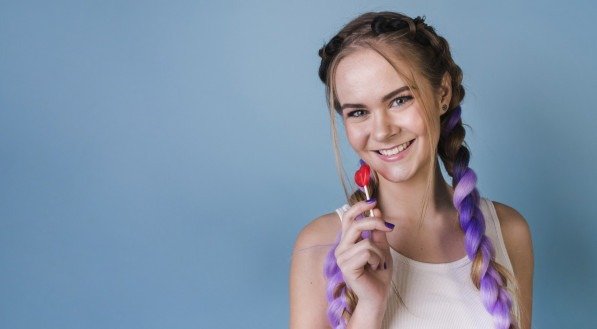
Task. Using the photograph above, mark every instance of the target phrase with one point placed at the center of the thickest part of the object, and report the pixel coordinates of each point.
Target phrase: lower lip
(396, 157)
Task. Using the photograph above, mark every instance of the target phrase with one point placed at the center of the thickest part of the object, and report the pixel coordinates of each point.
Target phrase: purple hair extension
(494, 294)
(337, 302)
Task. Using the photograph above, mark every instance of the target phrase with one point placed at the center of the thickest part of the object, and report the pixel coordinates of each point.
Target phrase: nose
(383, 128)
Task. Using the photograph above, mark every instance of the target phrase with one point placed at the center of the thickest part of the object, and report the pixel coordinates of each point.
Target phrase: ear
(445, 90)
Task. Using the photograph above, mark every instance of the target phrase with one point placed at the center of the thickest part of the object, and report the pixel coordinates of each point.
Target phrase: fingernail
(360, 216)
(389, 225)
(385, 266)
(372, 200)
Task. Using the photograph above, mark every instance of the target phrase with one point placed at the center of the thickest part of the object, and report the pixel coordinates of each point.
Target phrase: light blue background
(158, 158)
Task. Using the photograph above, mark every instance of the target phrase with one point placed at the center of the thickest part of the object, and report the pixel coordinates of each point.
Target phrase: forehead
(364, 76)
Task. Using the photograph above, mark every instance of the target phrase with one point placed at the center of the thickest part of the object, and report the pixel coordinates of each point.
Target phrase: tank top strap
(494, 231)
(340, 211)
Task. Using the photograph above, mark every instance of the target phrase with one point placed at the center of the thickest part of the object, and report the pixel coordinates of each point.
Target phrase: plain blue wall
(158, 158)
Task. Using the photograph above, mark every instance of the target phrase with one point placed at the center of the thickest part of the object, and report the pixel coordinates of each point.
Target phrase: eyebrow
(384, 99)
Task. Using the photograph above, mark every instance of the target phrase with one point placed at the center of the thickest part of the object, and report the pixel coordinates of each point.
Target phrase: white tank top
(435, 296)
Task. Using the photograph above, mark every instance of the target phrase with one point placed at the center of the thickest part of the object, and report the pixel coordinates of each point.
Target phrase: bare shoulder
(308, 303)
(519, 245)
(515, 229)
(320, 231)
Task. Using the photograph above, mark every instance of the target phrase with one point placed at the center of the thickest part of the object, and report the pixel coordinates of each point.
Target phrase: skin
(373, 122)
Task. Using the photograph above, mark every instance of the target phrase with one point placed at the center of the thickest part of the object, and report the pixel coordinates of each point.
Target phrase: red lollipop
(361, 177)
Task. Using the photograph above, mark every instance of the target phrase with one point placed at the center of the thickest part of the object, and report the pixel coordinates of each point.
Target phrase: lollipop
(361, 177)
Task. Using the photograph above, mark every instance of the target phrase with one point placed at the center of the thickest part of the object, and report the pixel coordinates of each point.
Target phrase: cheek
(414, 122)
(356, 136)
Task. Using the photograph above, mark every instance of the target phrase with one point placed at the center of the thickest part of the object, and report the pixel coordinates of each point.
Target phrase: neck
(403, 202)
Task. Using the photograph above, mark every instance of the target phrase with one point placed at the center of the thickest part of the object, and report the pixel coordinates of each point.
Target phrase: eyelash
(402, 99)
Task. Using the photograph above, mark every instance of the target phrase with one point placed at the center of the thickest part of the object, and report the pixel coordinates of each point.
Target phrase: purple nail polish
(366, 234)
(372, 200)
(389, 225)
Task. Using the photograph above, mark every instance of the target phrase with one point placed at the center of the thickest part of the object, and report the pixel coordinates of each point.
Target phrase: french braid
(434, 58)
(487, 275)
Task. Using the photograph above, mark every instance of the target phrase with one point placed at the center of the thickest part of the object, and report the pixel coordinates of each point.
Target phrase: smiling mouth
(396, 149)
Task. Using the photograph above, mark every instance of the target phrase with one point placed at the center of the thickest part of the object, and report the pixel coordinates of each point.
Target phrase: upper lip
(389, 148)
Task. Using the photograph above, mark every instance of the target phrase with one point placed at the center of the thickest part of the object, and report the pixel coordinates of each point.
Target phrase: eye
(401, 100)
(356, 113)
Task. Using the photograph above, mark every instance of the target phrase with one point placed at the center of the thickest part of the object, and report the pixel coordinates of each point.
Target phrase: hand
(362, 260)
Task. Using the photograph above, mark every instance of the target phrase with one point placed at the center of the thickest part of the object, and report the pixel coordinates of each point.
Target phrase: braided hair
(416, 43)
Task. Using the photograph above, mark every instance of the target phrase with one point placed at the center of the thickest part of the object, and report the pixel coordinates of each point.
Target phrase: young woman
(433, 255)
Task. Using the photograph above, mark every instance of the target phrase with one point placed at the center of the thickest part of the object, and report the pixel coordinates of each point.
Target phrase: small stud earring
(444, 108)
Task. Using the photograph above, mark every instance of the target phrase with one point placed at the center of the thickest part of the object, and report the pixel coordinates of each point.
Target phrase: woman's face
(381, 116)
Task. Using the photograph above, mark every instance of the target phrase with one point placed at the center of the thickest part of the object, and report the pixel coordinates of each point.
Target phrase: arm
(517, 237)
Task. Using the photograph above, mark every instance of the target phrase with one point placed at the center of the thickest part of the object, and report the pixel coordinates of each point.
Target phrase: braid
(341, 299)
(487, 275)
(336, 290)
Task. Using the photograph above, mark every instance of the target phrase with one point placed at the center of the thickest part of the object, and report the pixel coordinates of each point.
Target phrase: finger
(357, 249)
(357, 209)
(380, 237)
(356, 231)
(369, 213)
(356, 264)
(353, 233)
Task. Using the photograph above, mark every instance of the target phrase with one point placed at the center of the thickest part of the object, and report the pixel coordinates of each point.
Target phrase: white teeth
(395, 150)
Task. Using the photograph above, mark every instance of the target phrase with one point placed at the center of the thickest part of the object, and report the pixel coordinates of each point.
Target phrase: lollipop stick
(367, 234)
(368, 198)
